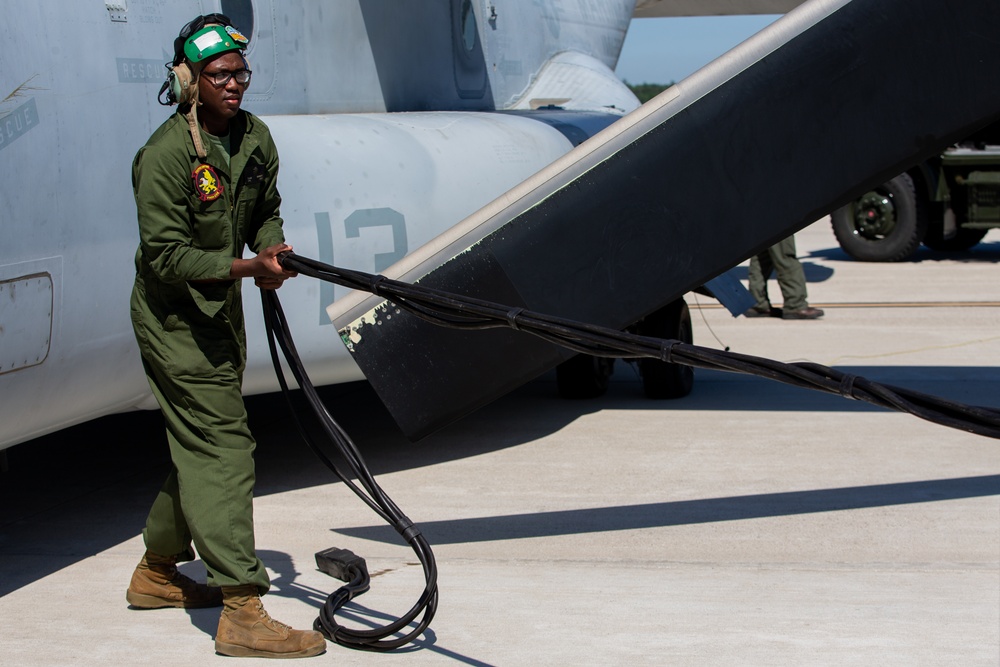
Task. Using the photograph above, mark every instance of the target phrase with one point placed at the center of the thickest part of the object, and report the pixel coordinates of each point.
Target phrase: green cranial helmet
(213, 40)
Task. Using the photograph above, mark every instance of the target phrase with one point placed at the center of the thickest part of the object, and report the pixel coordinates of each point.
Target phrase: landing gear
(585, 376)
(662, 380)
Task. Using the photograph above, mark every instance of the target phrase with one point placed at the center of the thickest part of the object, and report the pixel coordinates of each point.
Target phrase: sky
(666, 50)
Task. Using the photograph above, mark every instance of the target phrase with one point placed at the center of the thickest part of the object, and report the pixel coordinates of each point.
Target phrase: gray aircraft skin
(412, 133)
(363, 183)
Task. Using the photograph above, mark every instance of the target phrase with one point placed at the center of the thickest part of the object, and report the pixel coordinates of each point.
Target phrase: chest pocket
(212, 227)
(251, 184)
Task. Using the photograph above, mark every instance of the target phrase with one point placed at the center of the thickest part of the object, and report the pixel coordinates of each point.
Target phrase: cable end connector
(338, 563)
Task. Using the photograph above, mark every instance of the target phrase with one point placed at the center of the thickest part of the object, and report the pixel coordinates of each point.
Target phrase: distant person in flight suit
(781, 259)
(205, 187)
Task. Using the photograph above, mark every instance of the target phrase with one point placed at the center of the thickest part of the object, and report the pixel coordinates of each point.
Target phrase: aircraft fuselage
(361, 187)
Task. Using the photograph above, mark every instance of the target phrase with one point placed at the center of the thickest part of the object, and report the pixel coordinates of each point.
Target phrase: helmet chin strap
(192, 119)
(192, 116)
(192, 112)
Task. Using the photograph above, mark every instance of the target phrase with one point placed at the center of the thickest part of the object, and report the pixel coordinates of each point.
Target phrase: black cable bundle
(455, 311)
(354, 572)
(461, 312)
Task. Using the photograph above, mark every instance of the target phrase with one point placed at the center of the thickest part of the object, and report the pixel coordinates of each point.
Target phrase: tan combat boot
(246, 630)
(156, 583)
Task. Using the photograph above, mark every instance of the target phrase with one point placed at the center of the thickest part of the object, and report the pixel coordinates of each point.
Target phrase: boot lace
(267, 618)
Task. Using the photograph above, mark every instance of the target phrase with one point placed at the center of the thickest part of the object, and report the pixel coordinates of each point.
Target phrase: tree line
(647, 91)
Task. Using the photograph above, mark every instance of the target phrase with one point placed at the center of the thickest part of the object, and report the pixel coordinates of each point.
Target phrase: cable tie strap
(512, 316)
(374, 283)
(667, 349)
(407, 530)
(847, 386)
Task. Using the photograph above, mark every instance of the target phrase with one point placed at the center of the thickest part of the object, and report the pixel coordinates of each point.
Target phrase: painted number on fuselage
(353, 224)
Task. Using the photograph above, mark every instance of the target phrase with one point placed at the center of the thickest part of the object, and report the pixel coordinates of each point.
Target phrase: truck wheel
(584, 376)
(883, 225)
(962, 240)
(661, 380)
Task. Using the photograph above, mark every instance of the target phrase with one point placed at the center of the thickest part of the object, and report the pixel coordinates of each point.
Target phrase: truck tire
(886, 224)
(584, 376)
(662, 380)
(962, 240)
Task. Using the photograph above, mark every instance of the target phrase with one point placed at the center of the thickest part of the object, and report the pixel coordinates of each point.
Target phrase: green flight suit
(194, 220)
(781, 259)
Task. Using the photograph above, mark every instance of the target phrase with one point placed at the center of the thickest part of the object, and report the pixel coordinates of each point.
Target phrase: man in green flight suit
(197, 209)
(781, 259)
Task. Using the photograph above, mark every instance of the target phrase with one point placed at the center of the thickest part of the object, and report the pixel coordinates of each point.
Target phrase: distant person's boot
(246, 630)
(769, 311)
(807, 313)
(156, 583)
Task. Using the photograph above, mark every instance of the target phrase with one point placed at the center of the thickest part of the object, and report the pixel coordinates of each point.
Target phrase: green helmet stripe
(213, 40)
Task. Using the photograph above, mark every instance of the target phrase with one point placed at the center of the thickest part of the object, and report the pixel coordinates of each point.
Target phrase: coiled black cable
(451, 310)
(371, 493)
(460, 312)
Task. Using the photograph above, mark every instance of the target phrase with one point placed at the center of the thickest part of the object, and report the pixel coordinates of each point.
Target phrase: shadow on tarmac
(815, 273)
(78, 492)
(686, 512)
(284, 583)
(983, 252)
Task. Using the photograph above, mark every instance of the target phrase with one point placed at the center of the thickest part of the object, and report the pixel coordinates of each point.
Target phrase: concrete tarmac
(751, 523)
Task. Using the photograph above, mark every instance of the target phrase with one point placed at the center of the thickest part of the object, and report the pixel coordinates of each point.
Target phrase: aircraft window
(240, 12)
(468, 25)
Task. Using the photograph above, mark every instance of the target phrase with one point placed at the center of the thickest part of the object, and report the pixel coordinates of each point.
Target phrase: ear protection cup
(183, 86)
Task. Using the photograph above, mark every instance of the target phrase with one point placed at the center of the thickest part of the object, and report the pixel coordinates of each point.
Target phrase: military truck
(947, 203)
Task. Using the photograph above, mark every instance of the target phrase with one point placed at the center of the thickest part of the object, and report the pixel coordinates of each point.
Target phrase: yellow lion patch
(206, 183)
